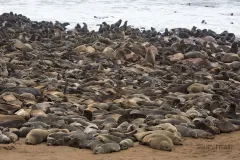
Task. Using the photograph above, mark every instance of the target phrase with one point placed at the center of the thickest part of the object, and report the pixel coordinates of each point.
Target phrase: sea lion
(11, 121)
(36, 124)
(93, 144)
(4, 139)
(125, 134)
(36, 136)
(173, 136)
(226, 126)
(126, 143)
(23, 131)
(54, 130)
(105, 138)
(163, 126)
(173, 121)
(198, 87)
(24, 113)
(231, 111)
(186, 132)
(57, 138)
(149, 59)
(23, 37)
(107, 148)
(161, 142)
(203, 134)
(13, 137)
(122, 127)
(57, 34)
(183, 119)
(192, 113)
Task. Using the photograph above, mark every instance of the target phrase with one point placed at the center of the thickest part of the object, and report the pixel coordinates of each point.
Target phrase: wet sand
(224, 146)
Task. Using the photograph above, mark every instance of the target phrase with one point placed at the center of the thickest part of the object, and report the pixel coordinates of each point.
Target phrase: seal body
(36, 136)
(162, 142)
(126, 143)
(107, 148)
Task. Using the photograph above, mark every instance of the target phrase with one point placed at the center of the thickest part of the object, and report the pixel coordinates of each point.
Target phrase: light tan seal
(13, 137)
(54, 130)
(107, 148)
(36, 136)
(161, 142)
(164, 126)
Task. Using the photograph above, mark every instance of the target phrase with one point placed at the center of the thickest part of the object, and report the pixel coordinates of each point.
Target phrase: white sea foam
(140, 13)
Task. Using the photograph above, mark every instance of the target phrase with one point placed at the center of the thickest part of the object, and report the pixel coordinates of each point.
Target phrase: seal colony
(105, 90)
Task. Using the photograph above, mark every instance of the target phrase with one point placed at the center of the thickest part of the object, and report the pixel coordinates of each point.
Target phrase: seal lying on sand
(36, 136)
(107, 148)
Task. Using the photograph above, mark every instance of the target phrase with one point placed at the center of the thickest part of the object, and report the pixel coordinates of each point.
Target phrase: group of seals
(108, 89)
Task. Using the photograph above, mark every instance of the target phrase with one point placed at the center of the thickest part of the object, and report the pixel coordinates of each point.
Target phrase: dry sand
(223, 147)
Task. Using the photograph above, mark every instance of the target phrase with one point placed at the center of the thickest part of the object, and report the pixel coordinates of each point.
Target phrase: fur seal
(93, 144)
(163, 126)
(13, 137)
(173, 136)
(226, 126)
(105, 138)
(126, 143)
(149, 59)
(57, 138)
(203, 134)
(23, 131)
(11, 121)
(183, 119)
(36, 136)
(162, 142)
(54, 130)
(173, 121)
(107, 148)
(4, 139)
(186, 132)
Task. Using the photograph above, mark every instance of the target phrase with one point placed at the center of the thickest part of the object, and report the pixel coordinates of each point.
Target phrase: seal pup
(126, 143)
(107, 148)
(36, 136)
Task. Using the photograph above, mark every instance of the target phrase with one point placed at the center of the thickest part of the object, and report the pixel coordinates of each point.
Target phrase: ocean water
(160, 14)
